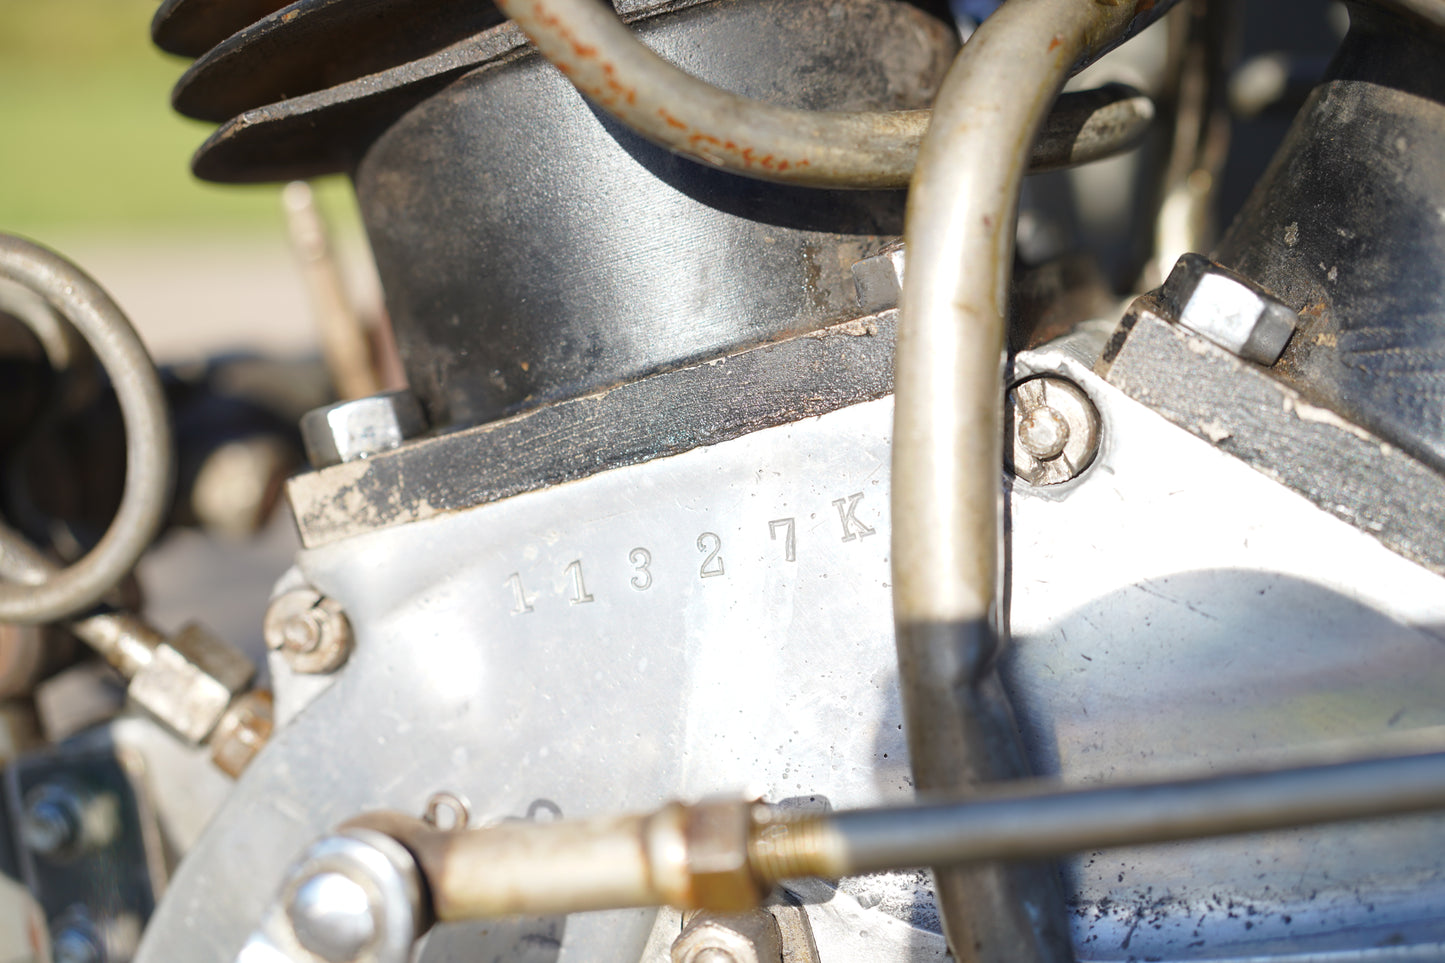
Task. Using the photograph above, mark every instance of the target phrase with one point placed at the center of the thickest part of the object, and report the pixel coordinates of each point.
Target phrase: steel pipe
(947, 442)
(864, 150)
(150, 457)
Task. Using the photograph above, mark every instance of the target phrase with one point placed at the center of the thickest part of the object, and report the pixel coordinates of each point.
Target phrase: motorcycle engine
(845, 473)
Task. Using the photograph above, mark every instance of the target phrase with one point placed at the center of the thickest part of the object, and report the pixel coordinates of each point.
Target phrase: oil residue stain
(813, 277)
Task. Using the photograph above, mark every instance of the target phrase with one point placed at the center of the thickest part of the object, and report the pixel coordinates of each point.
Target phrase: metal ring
(447, 802)
(150, 456)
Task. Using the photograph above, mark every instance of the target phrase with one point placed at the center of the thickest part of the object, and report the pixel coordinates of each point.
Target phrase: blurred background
(95, 165)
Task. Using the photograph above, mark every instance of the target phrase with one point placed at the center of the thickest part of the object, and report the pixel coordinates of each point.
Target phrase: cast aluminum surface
(719, 621)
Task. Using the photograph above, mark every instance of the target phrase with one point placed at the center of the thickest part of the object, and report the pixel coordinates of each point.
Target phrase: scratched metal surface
(716, 621)
(719, 621)
(1176, 612)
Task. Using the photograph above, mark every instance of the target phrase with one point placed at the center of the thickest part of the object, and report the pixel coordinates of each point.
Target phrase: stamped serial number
(711, 558)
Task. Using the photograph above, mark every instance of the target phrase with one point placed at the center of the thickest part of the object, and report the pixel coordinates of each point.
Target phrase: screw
(310, 631)
(332, 917)
(1055, 430)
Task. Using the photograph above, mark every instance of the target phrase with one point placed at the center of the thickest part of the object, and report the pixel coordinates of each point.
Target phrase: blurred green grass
(88, 142)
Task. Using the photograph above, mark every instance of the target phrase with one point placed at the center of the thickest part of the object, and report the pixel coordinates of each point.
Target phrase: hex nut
(878, 280)
(717, 834)
(242, 732)
(189, 682)
(309, 630)
(1230, 310)
(353, 430)
(1053, 430)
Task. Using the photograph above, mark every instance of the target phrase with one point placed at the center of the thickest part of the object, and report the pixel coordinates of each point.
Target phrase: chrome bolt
(1232, 311)
(332, 917)
(1054, 430)
(358, 429)
(310, 631)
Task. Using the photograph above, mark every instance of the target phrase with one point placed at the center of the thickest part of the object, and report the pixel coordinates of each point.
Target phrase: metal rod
(150, 456)
(344, 341)
(727, 856)
(1036, 824)
(592, 47)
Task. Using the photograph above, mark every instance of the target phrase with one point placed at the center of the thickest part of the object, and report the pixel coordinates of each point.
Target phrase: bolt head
(1044, 433)
(302, 633)
(1054, 430)
(332, 917)
(1230, 310)
(358, 429)
(878, 280)
(309, 630)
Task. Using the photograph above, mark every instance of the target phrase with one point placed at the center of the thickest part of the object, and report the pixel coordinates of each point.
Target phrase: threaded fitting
(793, 845)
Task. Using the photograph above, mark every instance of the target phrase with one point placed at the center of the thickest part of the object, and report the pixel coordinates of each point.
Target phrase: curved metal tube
(150, 455)
(947, 442)
(860, 150)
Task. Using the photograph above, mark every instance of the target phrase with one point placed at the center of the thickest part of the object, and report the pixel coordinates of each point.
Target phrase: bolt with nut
(1054, 430)
(309, 630)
